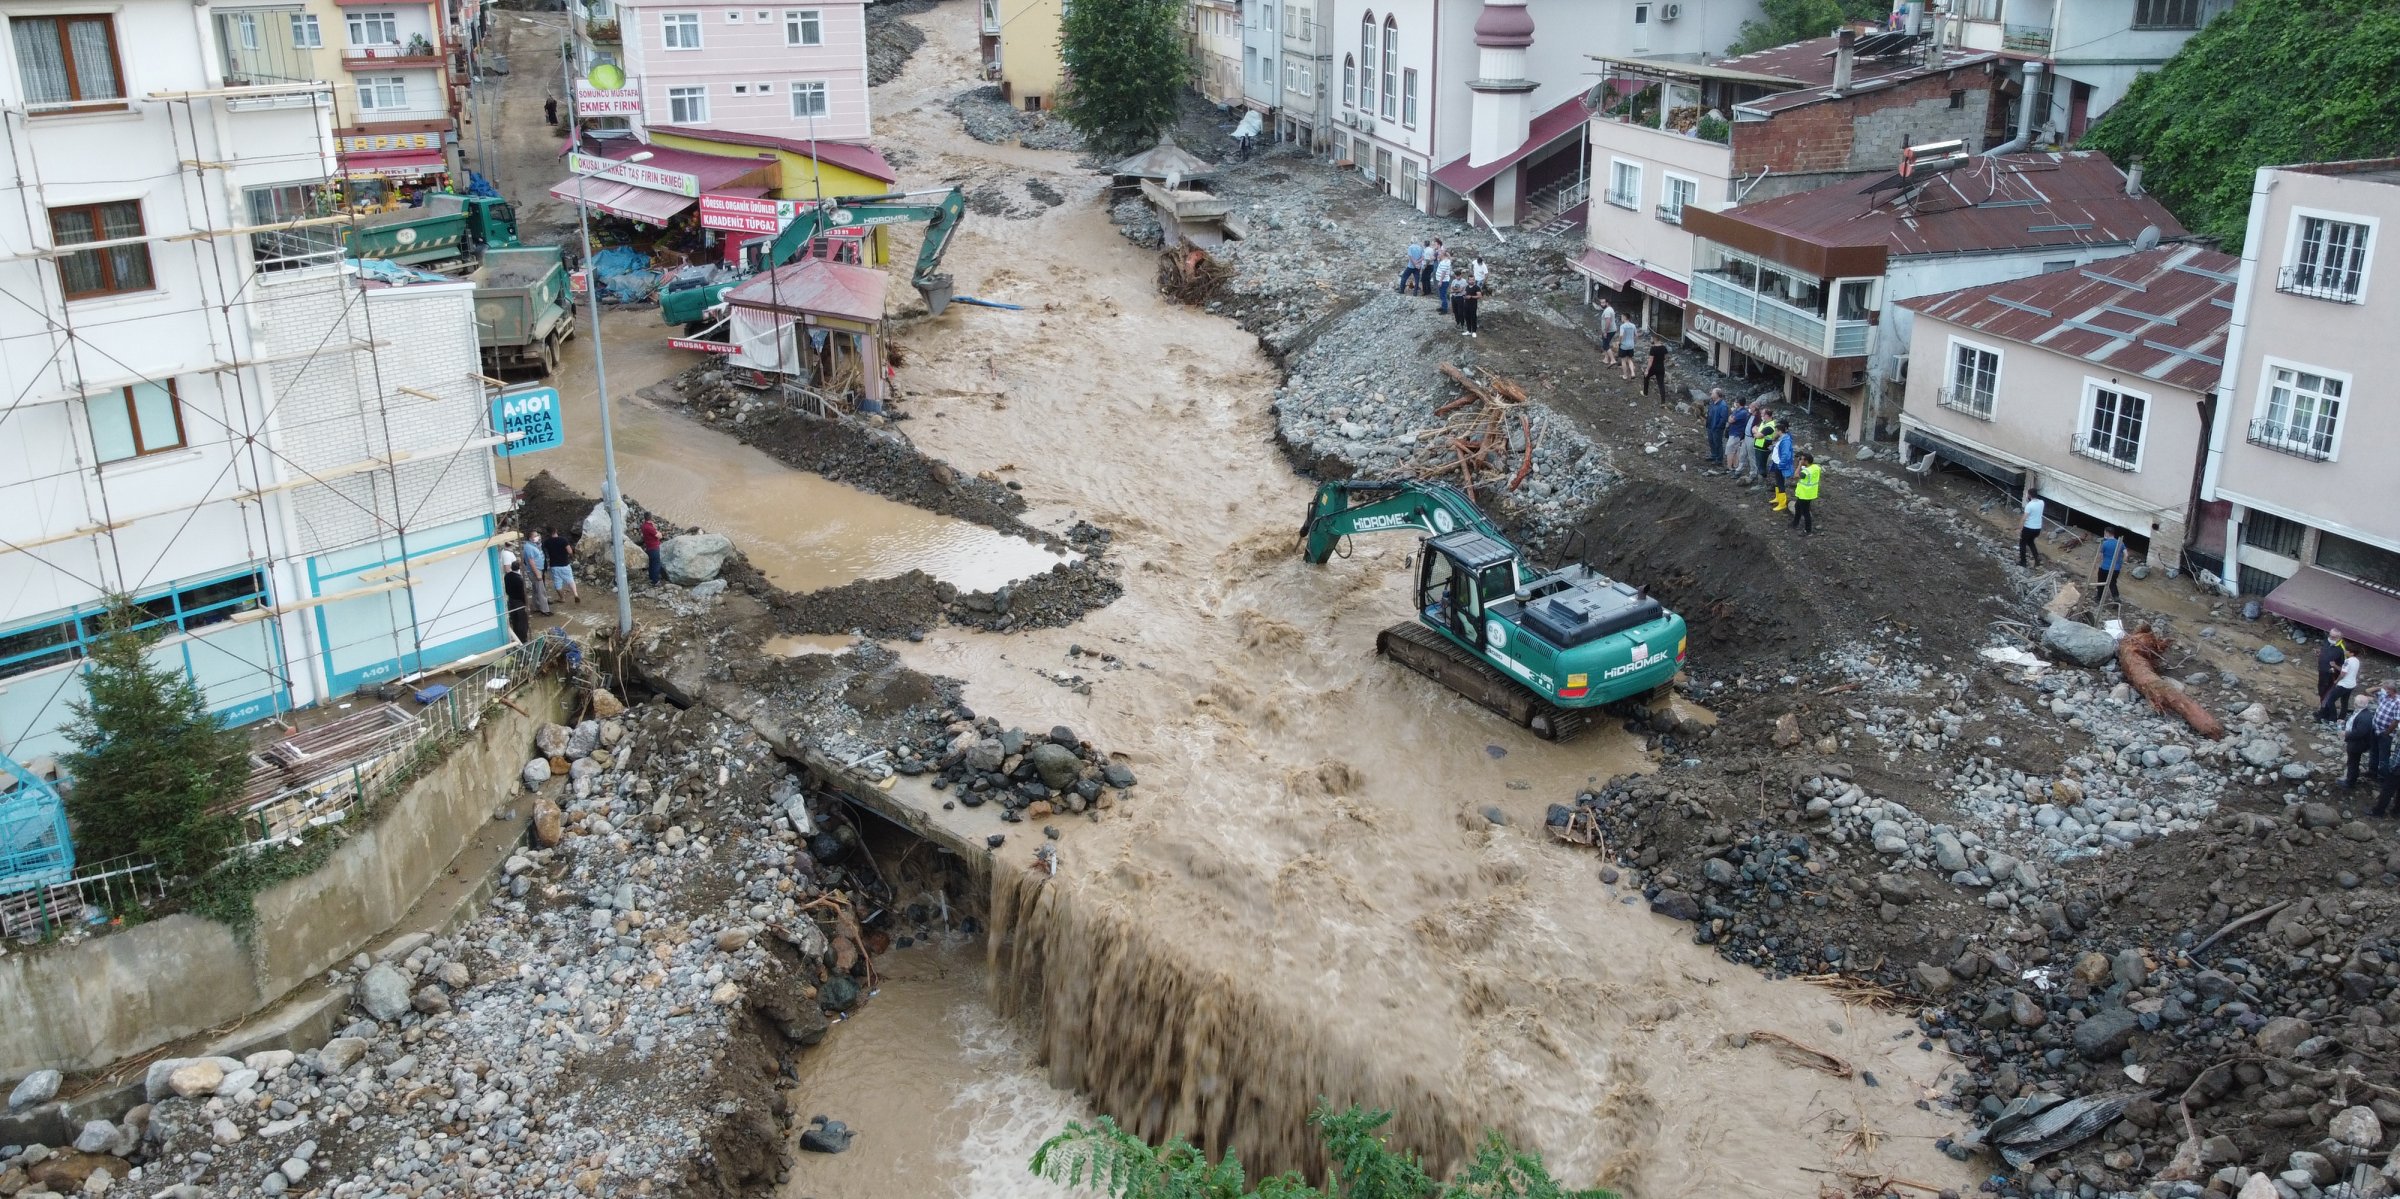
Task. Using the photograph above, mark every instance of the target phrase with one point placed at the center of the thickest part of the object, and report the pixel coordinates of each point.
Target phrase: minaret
(1502, 114)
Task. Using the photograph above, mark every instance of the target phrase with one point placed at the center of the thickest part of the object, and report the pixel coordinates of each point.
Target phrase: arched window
(1349, 81)
(1391, 68)
(1366, 61)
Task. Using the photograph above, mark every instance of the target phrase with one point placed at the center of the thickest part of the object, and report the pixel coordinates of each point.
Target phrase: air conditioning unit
(1668, 12)
(1366, 126)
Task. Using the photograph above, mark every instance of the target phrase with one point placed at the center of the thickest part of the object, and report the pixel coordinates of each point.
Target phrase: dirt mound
(1755, 595)
(546, 503)
(890, 40)
(902, 606)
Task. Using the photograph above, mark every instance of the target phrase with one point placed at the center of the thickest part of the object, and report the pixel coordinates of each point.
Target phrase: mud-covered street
(1861, 887)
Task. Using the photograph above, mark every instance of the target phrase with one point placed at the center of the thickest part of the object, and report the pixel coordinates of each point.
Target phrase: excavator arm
(1346, 506)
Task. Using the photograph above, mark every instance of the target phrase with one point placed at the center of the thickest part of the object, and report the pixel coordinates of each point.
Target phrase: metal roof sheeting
(2155, 314)
(2013, 202)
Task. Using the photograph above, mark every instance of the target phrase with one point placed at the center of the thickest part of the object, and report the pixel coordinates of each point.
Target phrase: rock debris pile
(989, 117)
(603, 1029)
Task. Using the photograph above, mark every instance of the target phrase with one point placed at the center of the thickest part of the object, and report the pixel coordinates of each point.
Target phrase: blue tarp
(625, 275)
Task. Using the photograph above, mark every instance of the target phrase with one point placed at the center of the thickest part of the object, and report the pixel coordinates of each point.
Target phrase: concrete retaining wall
(82, 1006)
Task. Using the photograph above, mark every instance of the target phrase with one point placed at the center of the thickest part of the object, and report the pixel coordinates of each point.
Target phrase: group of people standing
(2369, 724)
(1622, 346)
(1427, 268)
(1752, 445)
(542, 567)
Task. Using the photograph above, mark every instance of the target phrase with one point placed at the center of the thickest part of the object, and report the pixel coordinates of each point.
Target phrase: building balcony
(1975, 402)
(2319, 283)
(611, 33)
(2300, 439)
(390, 58)
(1807, 330)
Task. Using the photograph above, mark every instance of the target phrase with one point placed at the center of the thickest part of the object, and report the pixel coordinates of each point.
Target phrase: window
(1366, 63)
(129, 422)
(2166, 14)
(245, 28)
(1641, 14)
(1958, 99)
(379, 92)
(1408, 97)
(1298, 78)
(687, 105)
(2301, 412)
(1266, 18)
(680, 30)
(2359, 560)
(1625, 183)
(1974, 379)
(2052, 268)
(2112, 426)
(808, 99)
(188, 608)
(305, 34)
(374, 28)
(2273, 534)
(67, 59)
(804, 27)
(280, 249)
(1412, 181)
(1349, 81)
(107, 271)
(1676, 192)
(1391, 68)
(2328, 259)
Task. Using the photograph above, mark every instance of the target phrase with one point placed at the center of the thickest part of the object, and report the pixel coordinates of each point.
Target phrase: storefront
(741, 217)
(661, 187)
(383, 168)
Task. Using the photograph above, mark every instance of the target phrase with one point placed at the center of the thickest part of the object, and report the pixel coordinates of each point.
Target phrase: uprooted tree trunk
(2138, 656)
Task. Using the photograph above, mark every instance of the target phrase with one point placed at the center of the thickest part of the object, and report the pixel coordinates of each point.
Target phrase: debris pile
(989, 117)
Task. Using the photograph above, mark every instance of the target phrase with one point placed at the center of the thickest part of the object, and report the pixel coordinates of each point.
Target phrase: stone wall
(76, 1007)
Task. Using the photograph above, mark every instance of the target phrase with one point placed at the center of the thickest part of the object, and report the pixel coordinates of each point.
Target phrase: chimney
(2133, 177)
(1933, 39)
(1842, 42)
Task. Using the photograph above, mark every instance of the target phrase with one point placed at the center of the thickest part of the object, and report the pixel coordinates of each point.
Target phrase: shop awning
(397, 164)
(1606, 267)
(1667, 288)
(2322, 600)
(632, 203)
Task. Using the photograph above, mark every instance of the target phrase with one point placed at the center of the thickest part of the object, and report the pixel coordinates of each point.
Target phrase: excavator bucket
(936, 290)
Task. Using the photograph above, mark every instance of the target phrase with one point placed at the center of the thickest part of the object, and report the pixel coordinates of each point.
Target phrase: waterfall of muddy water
(804, 531)
(944, 1093)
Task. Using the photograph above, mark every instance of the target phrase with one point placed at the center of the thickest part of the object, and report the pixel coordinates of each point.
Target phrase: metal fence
(96, 890)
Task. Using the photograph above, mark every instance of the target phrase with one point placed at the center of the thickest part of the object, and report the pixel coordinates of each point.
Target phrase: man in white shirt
(2029, 535)
(2345, 684)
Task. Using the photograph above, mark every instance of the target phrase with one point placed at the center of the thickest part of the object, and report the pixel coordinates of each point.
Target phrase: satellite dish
(2147, 239)
(1595, 96)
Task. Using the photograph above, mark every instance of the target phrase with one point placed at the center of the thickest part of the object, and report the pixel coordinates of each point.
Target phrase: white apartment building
(2084, 53)
(286, 468)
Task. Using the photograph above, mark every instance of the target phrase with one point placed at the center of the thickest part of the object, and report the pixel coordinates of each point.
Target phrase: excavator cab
(1457, 574)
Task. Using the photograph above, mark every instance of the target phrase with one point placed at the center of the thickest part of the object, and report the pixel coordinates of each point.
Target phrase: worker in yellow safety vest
(1804, 494)
(1762, 435)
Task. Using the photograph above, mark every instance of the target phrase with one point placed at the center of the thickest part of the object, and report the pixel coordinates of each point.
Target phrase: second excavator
(1545, 649)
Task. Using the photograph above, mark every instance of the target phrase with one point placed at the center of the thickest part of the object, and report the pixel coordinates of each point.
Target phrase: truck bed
(504, 269)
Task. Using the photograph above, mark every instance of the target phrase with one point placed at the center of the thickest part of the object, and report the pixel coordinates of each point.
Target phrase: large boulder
(2079, 643)
(695, 557)
(38, 1087)
(383, 992)
(1057, 764)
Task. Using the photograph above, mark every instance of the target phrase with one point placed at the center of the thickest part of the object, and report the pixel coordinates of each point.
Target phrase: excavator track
(1438, 658)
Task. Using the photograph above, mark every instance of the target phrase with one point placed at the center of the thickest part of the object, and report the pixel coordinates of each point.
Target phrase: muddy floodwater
(943, 1093)
(803, 531)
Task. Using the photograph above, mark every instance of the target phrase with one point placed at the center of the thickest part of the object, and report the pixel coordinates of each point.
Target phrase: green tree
(2263, 85)
(1782, 22)
(1126, 64)
(149, 761)
(1114, 1162)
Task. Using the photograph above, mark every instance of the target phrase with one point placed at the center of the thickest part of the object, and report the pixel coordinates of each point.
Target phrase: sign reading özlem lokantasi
(639, 174)
(594, 102)
(529, 419)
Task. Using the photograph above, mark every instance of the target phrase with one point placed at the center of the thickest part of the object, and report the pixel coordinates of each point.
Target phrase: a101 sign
(528, 420)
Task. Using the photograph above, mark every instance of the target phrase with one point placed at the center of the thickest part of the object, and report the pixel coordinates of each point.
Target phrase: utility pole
(610, 494)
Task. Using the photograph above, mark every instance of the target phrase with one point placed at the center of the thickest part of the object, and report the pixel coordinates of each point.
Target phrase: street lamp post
(610, 494)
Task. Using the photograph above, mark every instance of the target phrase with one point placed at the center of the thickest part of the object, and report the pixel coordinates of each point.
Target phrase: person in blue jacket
(1779, 461)
(1719, 412)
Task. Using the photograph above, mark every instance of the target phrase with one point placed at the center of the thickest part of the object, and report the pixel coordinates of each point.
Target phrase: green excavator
(1545, 650)
(688, 305)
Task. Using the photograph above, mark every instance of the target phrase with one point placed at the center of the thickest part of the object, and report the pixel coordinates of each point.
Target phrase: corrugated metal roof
(1811, 62)
(2014, 202)
(816, 285)
(2160, 314)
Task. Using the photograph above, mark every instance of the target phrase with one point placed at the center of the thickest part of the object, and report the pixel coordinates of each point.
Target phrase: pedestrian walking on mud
(651, 542)
(1441, 282)
(1412, 268)
(1657, 373)
(537, 570)
(1608, 334)
(2337, 697)
(1804, 495)
(550, 110)
(1719, 412)
(2029, 534)
(1470, 307)
(1737, 431)
(520, 619)
(2112, 563)
(1627, 334)
(561, 554)
(2329, 658)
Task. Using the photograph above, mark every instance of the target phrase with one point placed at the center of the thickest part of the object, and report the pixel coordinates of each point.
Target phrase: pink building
(781, 72)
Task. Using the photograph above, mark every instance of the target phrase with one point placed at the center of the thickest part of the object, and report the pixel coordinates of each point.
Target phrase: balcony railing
(1849, 338)
(2319, 283)
(2296, 439)
(2025, 39)
(2100, 448)
(1672, 216)
(1625, 200)
(1975, 402)
(1801, 328)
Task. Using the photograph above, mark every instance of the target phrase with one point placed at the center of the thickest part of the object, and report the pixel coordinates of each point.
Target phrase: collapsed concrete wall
(76, 1007)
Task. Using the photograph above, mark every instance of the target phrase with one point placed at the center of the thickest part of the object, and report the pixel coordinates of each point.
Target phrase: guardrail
(2287, 437)
(103, 888)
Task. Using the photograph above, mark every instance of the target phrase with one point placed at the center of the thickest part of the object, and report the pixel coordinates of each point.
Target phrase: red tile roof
(851, 157)
(2160, 314)
(2014, 202)
(1543, 130)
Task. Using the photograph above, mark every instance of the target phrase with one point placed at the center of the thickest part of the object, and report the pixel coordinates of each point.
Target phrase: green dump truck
(448, 231)
(522, 310)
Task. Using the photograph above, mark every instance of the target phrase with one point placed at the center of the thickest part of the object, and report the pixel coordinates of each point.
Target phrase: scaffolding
(239, 259)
